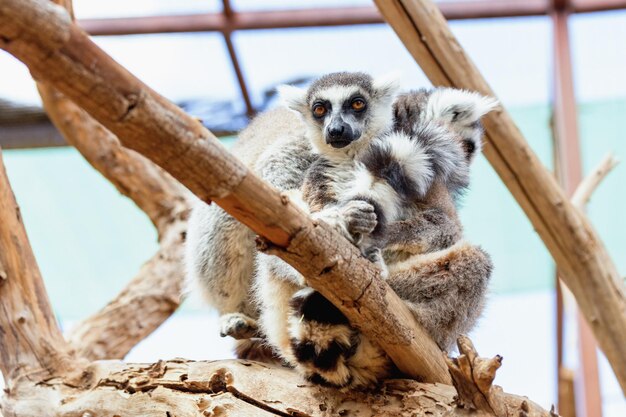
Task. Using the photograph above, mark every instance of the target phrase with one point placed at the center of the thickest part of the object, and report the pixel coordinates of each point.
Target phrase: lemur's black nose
(336, 132)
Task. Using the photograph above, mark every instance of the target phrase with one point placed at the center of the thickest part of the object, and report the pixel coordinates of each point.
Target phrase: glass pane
(121, 8)
(252, 5)
(599, 55)
(271, 57)
(16, 84)
(192, 70)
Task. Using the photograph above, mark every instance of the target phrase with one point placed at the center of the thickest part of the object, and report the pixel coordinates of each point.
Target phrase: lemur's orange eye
(358, 105)
(319, 110)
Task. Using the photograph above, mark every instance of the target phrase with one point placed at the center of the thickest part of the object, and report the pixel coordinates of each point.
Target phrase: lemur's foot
(256, 349)
(360, 218)
(375, 256)
(238, 326)
(330, 352)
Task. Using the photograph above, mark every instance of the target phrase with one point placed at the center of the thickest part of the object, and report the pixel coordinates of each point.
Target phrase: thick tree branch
(154, 191)
(59, 53)
(31, 344)
(577, 249)
(236, 388)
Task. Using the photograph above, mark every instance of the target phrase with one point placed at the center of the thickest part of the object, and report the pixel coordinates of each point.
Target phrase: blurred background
(222, 65)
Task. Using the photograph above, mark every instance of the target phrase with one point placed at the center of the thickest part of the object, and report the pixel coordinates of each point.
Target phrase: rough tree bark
(575, 246)
(31, 345)
(250, 389)
(59, 53)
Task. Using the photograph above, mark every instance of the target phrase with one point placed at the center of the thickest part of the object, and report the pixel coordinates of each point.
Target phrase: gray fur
(277, 146)
(220, 251)
(443, 282)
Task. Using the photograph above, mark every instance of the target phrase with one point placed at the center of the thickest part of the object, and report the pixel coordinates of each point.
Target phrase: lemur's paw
(321, 339)
(256, 349)
(375, 256)
(360, 217)
(238, 326)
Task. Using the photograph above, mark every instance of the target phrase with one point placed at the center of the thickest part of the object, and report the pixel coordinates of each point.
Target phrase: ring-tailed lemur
(220, 251)
(280, 147)
(393, 175)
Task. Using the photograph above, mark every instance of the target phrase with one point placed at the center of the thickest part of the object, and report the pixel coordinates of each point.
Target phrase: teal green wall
(602, 129)
(493, 219)
(90, 241)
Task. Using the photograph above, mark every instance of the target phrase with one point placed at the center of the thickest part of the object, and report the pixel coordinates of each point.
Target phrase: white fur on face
(379, 117)
(336, 95)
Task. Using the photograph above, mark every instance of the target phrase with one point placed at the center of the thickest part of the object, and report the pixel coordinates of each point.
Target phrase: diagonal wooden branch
(155, 292)
(31, 344)
(154, 191)
(575, 246)
(59, 53)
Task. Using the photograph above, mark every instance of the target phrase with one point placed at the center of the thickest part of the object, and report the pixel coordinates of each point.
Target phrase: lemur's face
(341, 114)
(343, 111)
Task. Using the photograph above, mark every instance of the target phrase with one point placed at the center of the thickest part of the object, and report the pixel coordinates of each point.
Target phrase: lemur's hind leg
(220, 262)
(308, 332)
(445, 290)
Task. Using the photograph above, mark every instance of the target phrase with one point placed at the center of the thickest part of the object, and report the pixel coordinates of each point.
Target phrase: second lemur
(307, 330)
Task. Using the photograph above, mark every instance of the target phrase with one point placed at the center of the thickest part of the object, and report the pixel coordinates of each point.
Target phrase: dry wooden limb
(233, 388)
(154, 191)
(144, 304)
(155, 292)
(588, 185)
(567, 393)
(31, 344)
(575, 246)
(60, 54)
(473, 378)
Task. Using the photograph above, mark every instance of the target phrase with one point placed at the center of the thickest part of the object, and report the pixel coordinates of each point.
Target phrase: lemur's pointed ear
(460, 108)
(292, 97)
(387, 85)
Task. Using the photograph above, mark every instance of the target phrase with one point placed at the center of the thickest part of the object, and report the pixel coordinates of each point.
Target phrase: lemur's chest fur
(326, 181)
